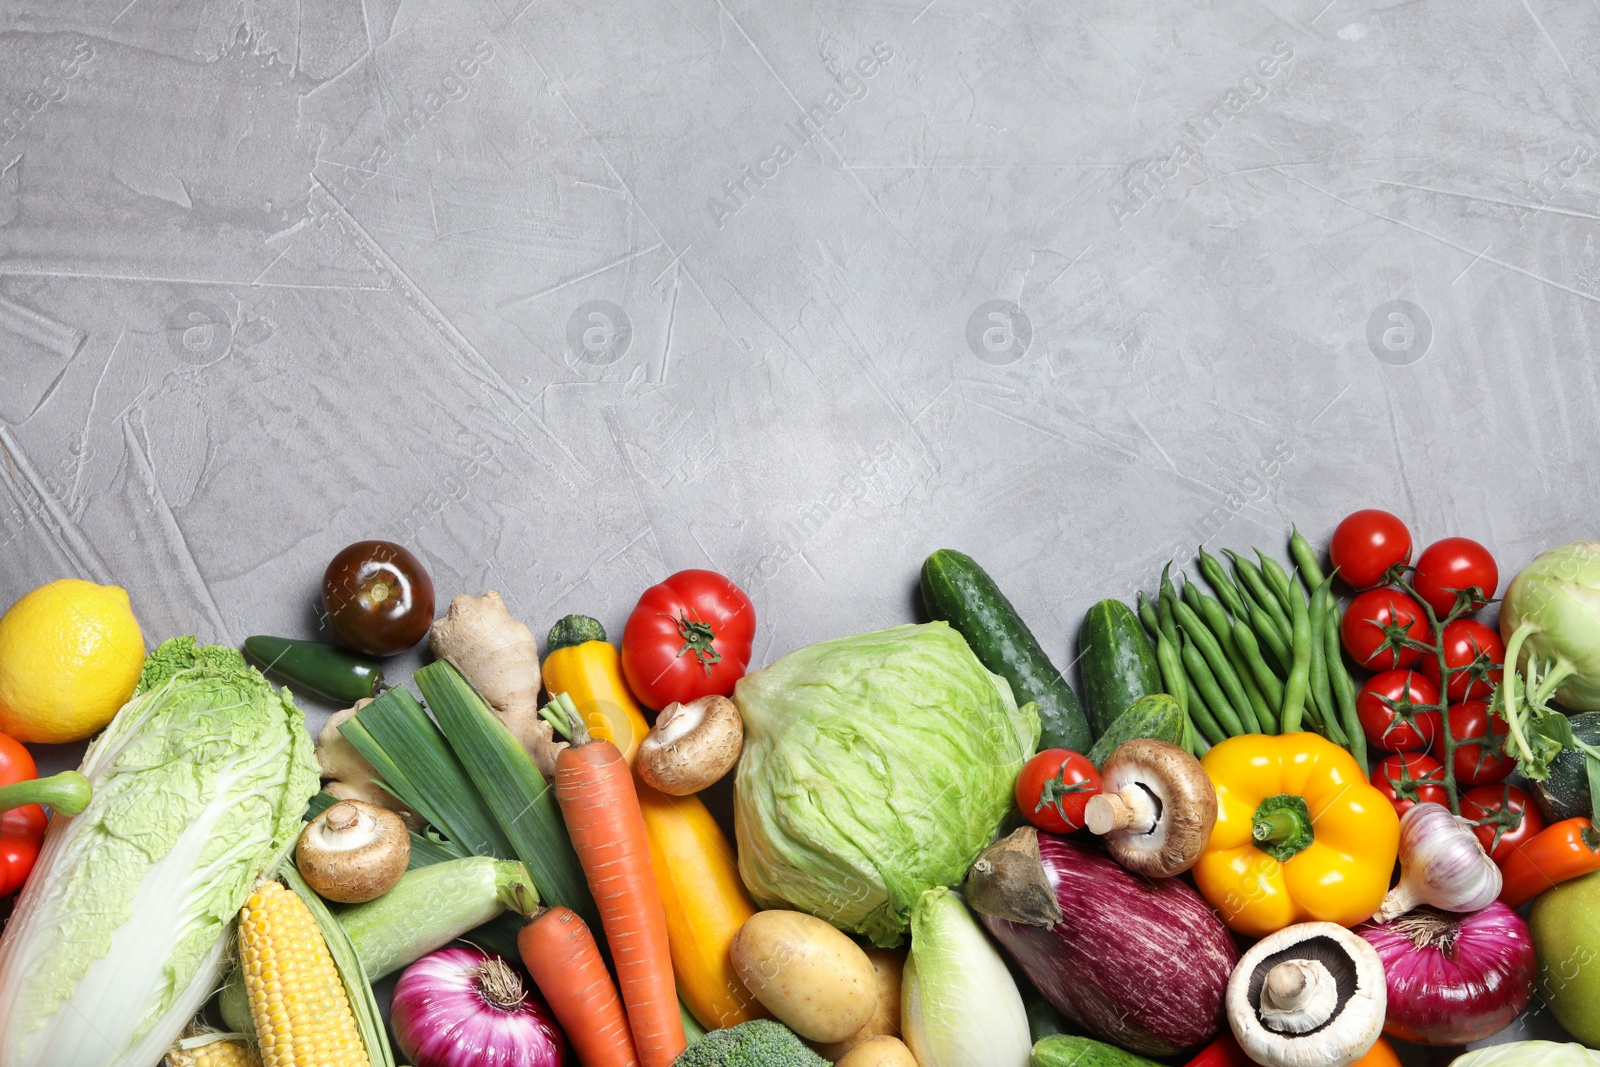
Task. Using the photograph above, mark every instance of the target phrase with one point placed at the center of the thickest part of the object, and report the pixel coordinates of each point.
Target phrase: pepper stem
(67, 793)
(1282, 826)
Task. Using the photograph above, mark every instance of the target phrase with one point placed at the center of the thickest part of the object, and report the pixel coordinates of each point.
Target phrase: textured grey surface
(567, 297)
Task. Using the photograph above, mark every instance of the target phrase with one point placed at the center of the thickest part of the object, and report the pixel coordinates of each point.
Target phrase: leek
(198, 788)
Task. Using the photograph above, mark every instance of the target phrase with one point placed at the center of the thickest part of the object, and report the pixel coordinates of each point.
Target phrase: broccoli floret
(759, 1043)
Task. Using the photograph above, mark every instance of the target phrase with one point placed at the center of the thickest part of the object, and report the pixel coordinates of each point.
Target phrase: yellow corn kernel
(223, 1052)
(298, 1002)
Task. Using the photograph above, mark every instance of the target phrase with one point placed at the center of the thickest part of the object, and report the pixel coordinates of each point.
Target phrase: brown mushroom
(1155, 809)
(691, 745)
(1311, 995)
(353, 852)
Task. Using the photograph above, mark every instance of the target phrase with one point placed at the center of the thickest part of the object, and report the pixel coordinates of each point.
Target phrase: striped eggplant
(1138, 962)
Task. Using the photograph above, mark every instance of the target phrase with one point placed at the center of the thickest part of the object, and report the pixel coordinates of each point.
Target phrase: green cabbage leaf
(875, 767)
(199, 786)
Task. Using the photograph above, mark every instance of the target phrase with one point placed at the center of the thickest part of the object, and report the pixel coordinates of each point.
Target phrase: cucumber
(1157, 716)
(1118, 663)
(1063, 1050)
(1565, 793)
(957, 591)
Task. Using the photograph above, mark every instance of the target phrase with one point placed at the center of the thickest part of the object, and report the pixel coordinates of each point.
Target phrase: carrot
(594, 787)
(560, 953)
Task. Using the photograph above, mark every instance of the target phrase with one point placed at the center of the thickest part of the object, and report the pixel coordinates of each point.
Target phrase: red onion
(1454, 978)
(462, 1007)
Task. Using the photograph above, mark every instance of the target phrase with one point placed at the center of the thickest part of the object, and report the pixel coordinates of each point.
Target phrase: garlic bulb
(1442, 863)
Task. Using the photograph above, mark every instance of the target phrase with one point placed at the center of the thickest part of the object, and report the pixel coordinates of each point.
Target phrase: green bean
(1203, 718)
(1271, 688)
(1217, 619)
(1203, 682)
(1251, 578)
(1266, 630)
(1320, 686)
(1344, 692)
(1172, 672)
(1294, 690)
(1278, 580)
(1221, 669)
(1147, 615)
(1166, 598)
(1221, 583)
(1305, 557)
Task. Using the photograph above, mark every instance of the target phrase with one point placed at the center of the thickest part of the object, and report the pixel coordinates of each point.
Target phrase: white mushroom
(1311, 995)
(691, 745)
(1155, 809)
(353, 852)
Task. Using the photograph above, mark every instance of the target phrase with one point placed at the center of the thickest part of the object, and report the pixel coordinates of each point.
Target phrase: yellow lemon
(70, 655)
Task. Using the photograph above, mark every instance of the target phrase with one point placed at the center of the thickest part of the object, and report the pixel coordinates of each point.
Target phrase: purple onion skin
(1140, 963)
(441, 1020)
(1467, 992)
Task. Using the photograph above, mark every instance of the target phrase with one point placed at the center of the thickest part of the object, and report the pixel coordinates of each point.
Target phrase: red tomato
(1506, 818)
(1451, 564)
(1472, 652)
(1479, 759)
(1366, 544)
(1409, 779)
(1376, 626)
(1054, 788)
(1391, 707)
(687, 638)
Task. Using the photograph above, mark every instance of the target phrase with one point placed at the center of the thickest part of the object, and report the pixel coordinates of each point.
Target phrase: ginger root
(500, 657)
(348, 775)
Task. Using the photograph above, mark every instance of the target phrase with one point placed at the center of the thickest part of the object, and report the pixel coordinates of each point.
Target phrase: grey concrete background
(568, 297)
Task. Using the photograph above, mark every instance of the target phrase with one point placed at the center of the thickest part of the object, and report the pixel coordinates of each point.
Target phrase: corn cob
(223, 1052)
(297, 999)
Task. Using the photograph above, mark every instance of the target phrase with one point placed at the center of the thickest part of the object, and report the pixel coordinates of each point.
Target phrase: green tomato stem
(67, 793)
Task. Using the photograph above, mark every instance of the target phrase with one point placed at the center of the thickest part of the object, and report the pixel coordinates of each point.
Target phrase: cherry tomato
(1479, 759)
(1410, 778)
(1451, 564)
(1366, 544)
(687, 638)
(379, 598)
(1472, 652)
(1054, 788)
(1390, 708)
(1506, 818)
(1376, 625)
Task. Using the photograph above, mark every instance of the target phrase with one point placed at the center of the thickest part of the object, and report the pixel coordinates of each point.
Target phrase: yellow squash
(584, 665)
(706, 903)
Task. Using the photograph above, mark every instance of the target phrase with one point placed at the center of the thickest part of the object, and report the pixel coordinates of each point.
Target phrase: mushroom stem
(1298, 995)
(1130, 809)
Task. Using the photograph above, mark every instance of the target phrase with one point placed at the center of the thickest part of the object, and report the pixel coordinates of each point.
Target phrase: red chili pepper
(1223, 1052)
(1562, 852)
(23, 821)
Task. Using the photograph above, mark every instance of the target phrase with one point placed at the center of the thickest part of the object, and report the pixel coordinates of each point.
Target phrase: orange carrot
(594, 787)
(560, 953)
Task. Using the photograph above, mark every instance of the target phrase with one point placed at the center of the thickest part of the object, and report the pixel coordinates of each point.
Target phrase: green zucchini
(1565, 793)
(1063, 1050)
(1157, 716)
(1118, 663)
(957, 591)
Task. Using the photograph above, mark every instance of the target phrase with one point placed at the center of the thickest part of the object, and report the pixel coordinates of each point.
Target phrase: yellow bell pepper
(584, 665)
(1301, 835)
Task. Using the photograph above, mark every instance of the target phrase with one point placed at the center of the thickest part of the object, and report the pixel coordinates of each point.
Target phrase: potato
(817, 981)
(887, 965)
(880, 1051)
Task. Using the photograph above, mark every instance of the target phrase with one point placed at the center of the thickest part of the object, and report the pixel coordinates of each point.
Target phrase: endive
(199, 785)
